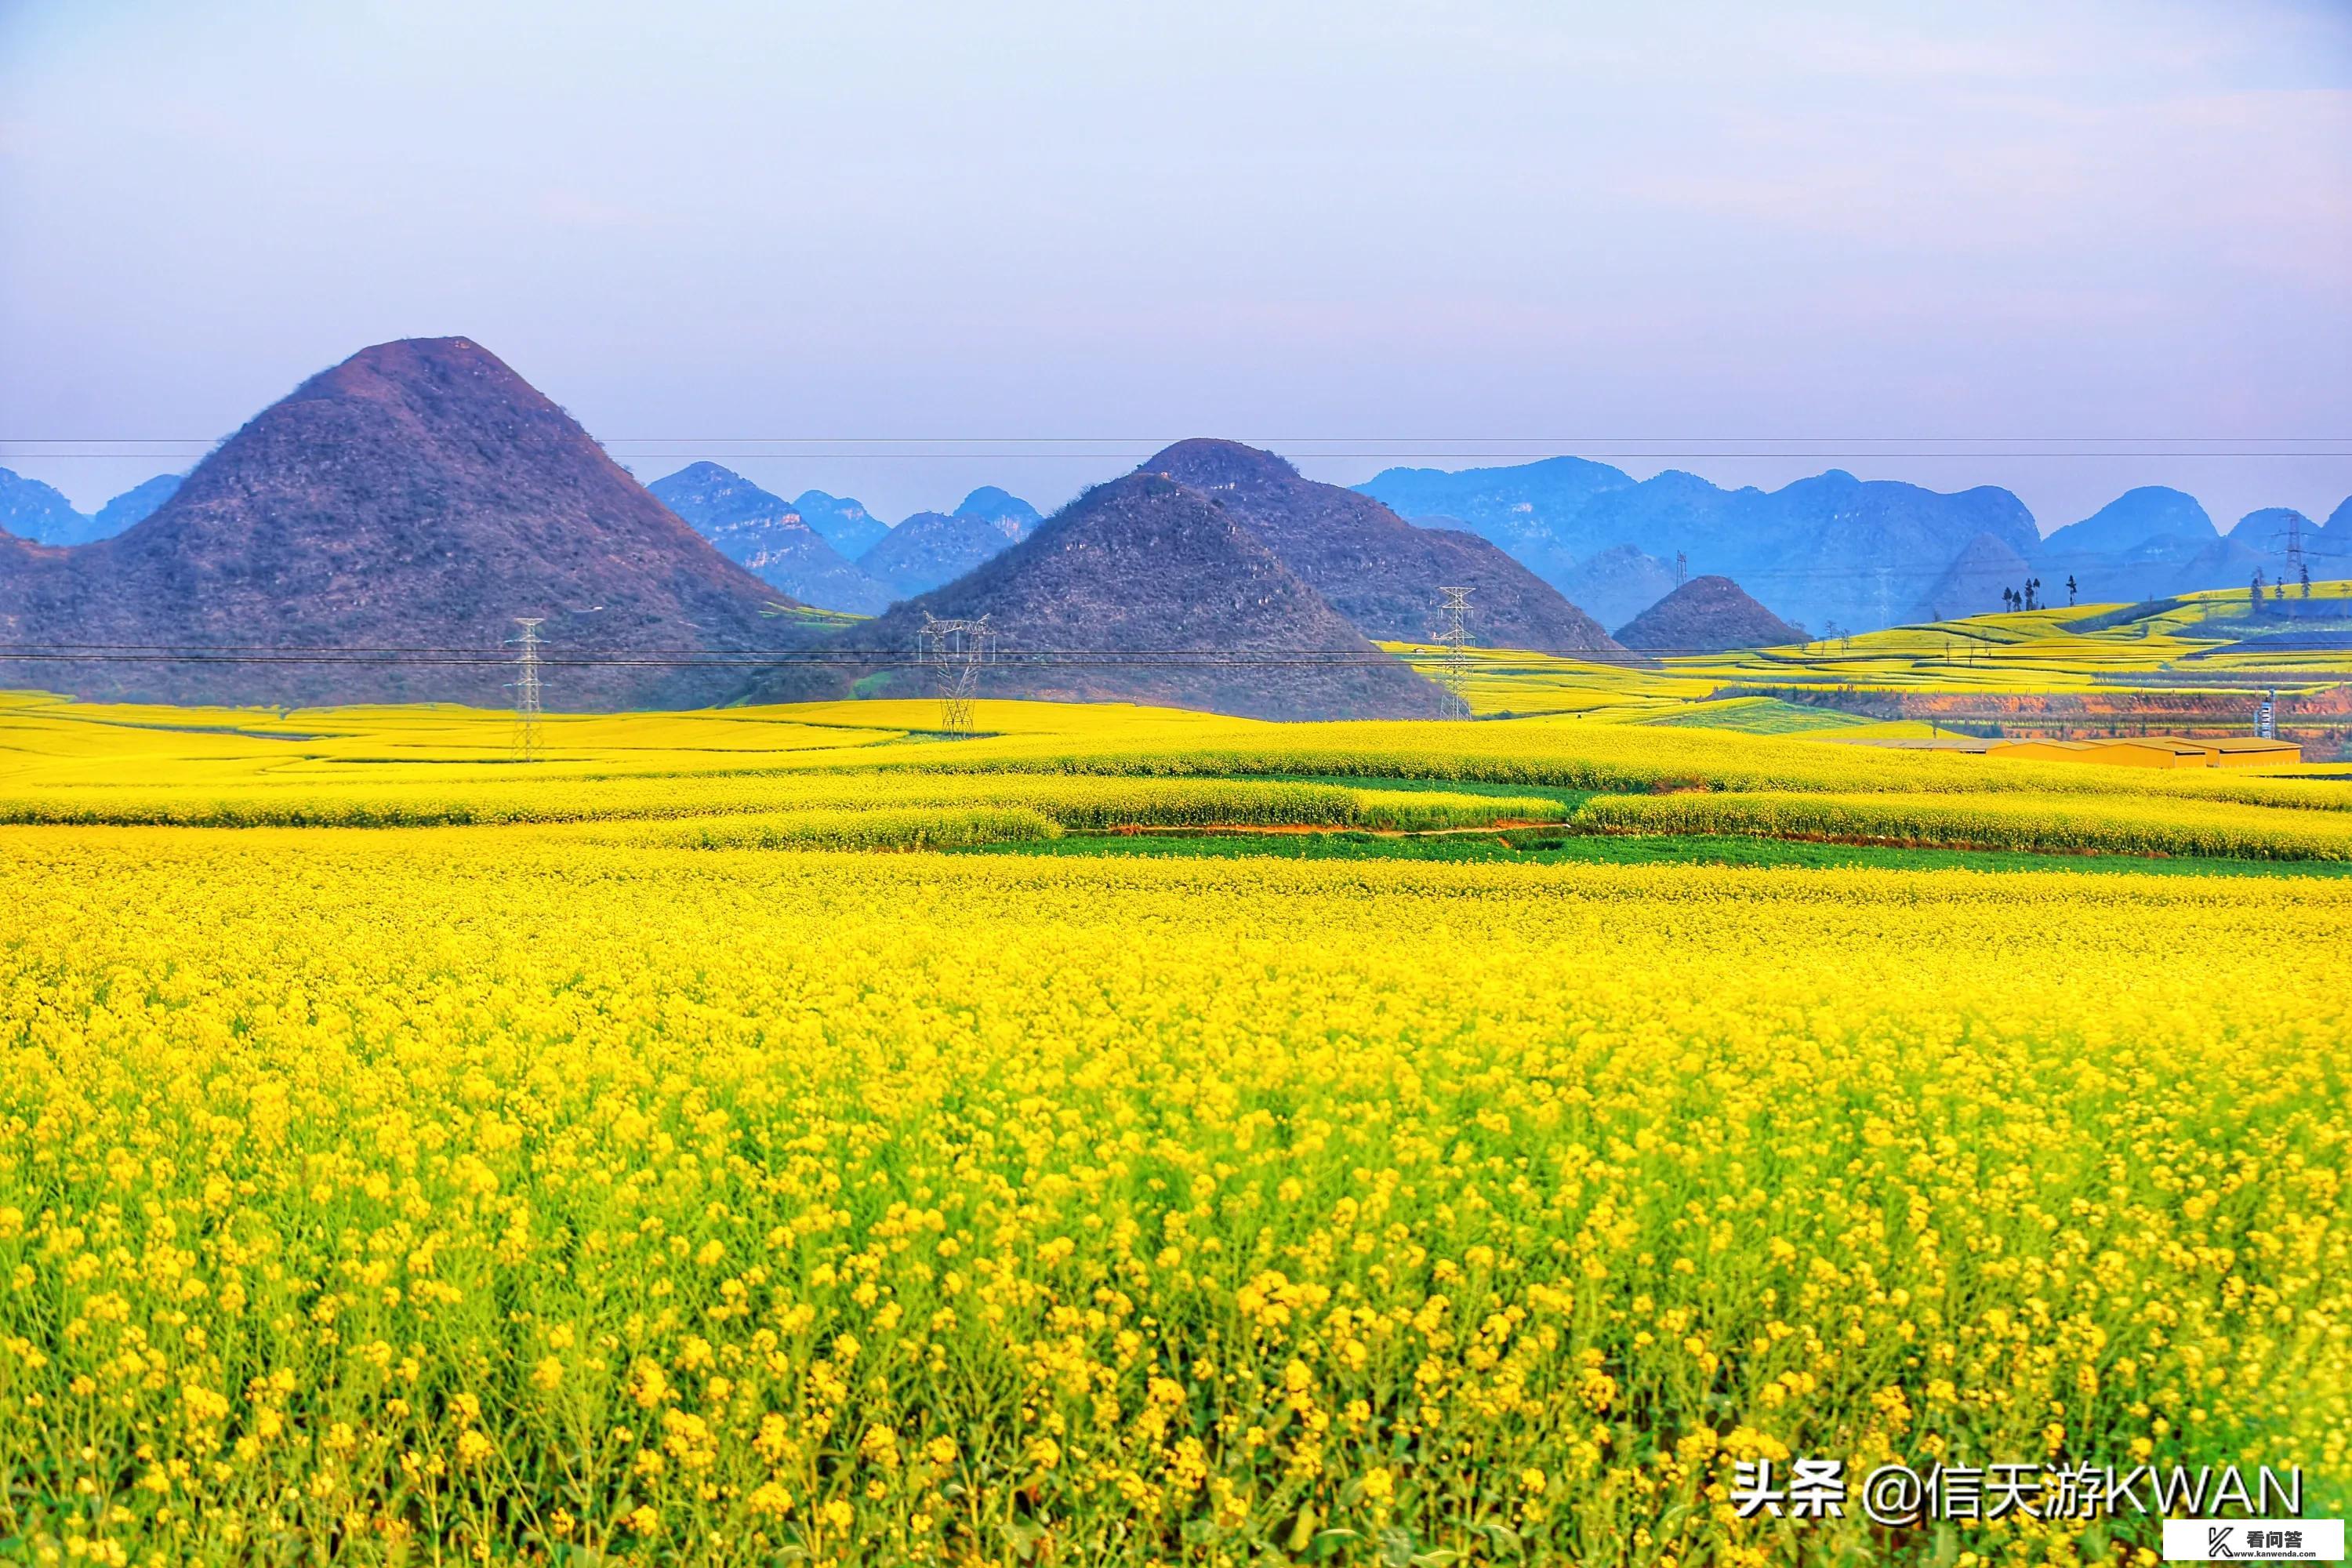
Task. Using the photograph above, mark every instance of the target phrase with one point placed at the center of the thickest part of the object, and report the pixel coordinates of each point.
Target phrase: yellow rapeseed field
(659, 1173)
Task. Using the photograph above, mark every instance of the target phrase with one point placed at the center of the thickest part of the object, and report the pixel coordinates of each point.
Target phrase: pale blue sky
(1364, 221)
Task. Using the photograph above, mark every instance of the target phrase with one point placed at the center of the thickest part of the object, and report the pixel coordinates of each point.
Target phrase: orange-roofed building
(2248, 753)
(2155, 751)
(2150, 751)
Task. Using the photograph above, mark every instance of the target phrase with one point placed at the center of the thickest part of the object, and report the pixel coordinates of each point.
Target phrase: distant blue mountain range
(844, 524)
(829, 551)
(31, 510)
(1837, 552)
(770, 538)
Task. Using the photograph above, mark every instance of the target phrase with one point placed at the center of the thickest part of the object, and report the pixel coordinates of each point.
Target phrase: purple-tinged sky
(2000, 235)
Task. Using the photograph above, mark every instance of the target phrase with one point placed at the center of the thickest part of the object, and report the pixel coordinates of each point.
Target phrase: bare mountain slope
(419, 495)
(1160, 574)
(1706, 615)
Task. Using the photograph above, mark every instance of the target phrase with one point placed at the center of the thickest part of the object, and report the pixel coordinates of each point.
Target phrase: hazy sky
(1373, 230)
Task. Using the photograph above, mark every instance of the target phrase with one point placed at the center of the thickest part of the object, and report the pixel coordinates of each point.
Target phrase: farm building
(2155, 752)
(2252, 754)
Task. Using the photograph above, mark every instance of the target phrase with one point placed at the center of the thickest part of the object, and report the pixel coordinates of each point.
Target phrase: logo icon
(2253, 1540)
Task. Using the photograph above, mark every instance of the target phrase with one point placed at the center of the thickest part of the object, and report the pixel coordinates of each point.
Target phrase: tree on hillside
(2070, 590)
(2307, 580)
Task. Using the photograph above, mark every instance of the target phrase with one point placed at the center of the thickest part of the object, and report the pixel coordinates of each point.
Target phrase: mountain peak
(707, 494)
(413, 361)
(2257, 526)
(1005, 512)
(1706, 615)
(840, 521)
(398, 355)
(994, 504)
(1210, 465)
(35, 511)
(2149, 519)
(1971, 584)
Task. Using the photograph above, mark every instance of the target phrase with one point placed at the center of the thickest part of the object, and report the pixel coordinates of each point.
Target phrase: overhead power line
(998, 654)
(1456, 439)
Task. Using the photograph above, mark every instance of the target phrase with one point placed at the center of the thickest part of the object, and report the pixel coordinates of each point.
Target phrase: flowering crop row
(1072, 800)
(2128, 826)
(1575, 754)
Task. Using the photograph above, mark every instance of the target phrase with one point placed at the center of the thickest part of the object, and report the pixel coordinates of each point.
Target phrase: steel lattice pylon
(2292, 535)
(1456, 638)
(955, 650)
(526, 689)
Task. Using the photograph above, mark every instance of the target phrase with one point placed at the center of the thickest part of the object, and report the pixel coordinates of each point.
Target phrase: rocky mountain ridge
(1147, 590)
(1837, 552)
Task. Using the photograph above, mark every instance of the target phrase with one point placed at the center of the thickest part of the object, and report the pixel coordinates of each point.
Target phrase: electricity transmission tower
(955, 650)
(2292, 534)
(1456, 639)
(526, 689)
(1682, 568)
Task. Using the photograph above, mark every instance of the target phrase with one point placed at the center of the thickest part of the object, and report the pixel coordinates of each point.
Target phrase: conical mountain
(1971, 584)
(765, 535)
(2330, 544)
(840, 521)
(2265, 527)
(1376, 569)
(419, 496)
(40, 512)
(1016, 517)
(1618, 584)
(931, 548)
(1135, 591)
(2133, 521)
(1706, 615)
